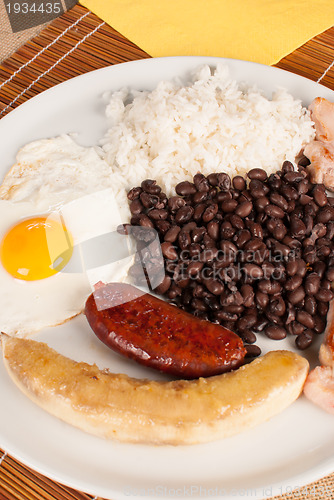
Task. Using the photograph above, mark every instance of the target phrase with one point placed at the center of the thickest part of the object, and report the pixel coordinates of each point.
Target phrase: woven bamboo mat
(74, 44)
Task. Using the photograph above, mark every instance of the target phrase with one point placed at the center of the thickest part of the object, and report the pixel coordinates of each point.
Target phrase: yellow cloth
(263, 31)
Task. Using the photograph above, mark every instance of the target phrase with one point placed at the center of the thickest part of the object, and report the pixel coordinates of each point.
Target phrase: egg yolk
(36, 248)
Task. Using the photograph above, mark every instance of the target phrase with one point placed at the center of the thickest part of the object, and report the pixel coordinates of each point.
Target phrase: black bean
(229, 206)
(237, 221)
(319, 195)
(269, 287)
(164, 285)
(325, 214)
(247, 336)
(292, 267)
(297, 328)
(305, 199)
(194, 250)
(234, 309)
(244, 209)
(252, 351)
(253, 271)
(305, 319)
(194, 267)
(304, 340)
(293, 177)
(324, 295)
(224, 181)
(134, 193)
(214, 286)
(297, 227)
(148, 200)
(185, 188)
(274, 211)
(261, 203)
(197, 234)
(277, 306)
(172, 234)
(256, 230)
(174, 291)
(136, 206)
(291, 242)
(279, 200)
(156, 214)
(296, 296)
(242, 238)
(303, 161)
(201, 182)
(257, 189)
(208, 254)
(199, 305)
(163, 226)
(247, 293)
(213, 229)
(302, 268)
(200, 196)
(287, 166)
(330, 229)
(213, 179)
(210, 212)
(279, 229)
(293, 282)
(257, 173)
(319, 324)
(150, 186)
(312, 283)
(184, 239)
(330, 274)
(169, 251)
(175, 202)
(145, 221)
(239, 183)
(275, 332)
(262, 299)
(303, 187)
(227, 231)
(246, 322)
(291, 314)
(289, 192)
(184, 214)
(319, 268)
(310, 305)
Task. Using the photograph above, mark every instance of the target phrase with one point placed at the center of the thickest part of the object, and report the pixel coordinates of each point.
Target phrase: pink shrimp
(319, 385)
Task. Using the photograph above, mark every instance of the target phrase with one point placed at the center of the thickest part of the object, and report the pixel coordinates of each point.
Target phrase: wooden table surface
(73, 44)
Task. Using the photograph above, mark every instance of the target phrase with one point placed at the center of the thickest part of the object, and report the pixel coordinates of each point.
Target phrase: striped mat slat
(313, 60)
(71, 45)
(83, 43)
(18, 482)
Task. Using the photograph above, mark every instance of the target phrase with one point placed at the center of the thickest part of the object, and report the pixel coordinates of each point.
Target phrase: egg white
(58, 176)
(52, 172)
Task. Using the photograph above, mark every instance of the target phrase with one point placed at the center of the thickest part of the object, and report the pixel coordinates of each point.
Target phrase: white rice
(211, 125)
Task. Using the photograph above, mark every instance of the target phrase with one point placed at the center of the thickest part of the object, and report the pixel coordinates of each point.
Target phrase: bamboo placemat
(74, 44)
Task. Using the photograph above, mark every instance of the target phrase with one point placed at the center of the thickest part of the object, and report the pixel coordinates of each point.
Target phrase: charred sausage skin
(159, 335)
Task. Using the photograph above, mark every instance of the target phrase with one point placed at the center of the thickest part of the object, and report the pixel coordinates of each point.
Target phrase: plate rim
(327, 464)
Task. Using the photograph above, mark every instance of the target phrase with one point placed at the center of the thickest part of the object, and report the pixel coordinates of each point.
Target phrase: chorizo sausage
(160, 335)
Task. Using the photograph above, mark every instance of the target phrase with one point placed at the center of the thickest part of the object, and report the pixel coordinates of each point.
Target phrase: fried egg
(55, 198)
(52, 172)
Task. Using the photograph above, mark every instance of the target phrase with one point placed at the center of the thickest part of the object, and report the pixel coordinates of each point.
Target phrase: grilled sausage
(159, 335)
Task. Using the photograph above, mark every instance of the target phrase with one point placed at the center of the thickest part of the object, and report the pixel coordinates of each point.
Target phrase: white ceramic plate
(285, 453)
